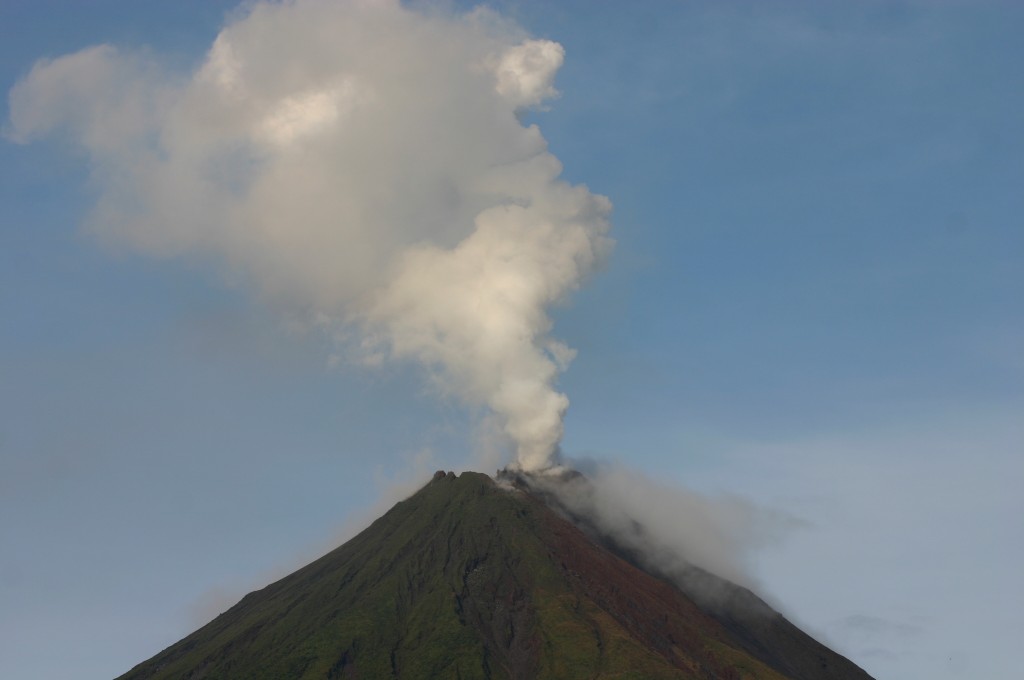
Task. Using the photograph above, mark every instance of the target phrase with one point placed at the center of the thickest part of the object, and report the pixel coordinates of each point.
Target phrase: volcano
(476, 578)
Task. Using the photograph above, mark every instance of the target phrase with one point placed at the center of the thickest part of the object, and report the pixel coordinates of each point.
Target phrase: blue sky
(814, 303)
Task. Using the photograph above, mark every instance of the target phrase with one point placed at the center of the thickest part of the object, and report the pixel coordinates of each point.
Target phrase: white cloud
(526, 72)
(360, 162)
(102, 98)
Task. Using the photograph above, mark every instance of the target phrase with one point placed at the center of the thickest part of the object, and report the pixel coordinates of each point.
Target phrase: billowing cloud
(360, 162)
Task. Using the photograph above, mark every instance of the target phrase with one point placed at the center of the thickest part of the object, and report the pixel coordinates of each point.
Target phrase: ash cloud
(361, 163)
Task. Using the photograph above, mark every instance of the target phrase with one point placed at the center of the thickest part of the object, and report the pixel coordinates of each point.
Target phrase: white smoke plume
(361, 162)
(670, 529)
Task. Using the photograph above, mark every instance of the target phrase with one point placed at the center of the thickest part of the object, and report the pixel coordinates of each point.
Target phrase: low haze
(811, 315)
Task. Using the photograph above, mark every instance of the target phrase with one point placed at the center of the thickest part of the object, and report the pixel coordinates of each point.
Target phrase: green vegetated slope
(466, 579)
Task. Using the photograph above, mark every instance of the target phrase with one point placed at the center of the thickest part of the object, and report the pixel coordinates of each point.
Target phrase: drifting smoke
(363, 163)
(673, 531)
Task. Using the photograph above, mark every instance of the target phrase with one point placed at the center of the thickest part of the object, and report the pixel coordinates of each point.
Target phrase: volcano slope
(471, 579)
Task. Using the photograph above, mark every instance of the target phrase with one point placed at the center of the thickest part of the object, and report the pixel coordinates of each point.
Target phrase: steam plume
(669, 529)
(363, 163)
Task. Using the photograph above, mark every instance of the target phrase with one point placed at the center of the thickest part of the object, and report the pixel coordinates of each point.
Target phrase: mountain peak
(474, 577)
